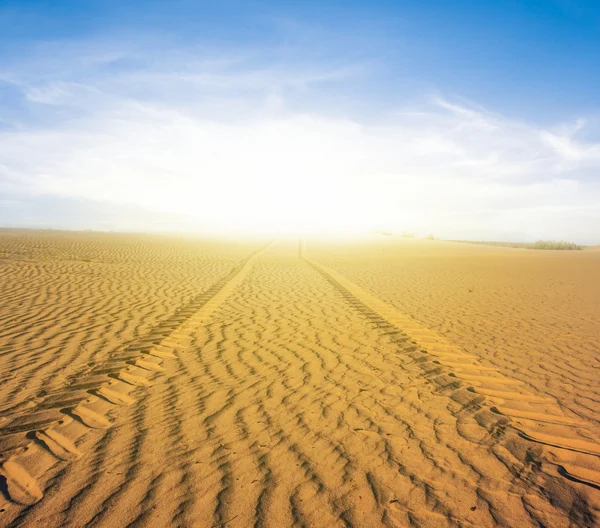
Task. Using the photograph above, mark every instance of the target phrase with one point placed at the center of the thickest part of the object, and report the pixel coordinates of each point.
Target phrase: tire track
(535, 316)
(32, 442)
(575, 449)
(69, 300)
(287, 408)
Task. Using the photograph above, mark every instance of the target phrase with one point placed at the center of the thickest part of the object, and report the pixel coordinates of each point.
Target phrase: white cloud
(241, 148)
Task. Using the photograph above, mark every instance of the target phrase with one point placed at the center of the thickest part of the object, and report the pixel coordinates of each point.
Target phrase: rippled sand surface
(168, 381)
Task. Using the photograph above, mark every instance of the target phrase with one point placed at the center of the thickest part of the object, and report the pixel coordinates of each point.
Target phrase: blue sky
(469, 119)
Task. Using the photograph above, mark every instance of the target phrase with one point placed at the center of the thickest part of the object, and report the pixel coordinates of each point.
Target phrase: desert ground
(150, 380)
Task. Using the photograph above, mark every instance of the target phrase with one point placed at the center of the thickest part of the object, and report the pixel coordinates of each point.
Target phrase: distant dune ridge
(169, 381)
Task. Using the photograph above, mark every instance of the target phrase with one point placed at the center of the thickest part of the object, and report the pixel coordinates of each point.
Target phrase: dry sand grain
(334, 387)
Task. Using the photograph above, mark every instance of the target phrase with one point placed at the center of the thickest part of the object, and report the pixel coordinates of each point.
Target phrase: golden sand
(169, 381)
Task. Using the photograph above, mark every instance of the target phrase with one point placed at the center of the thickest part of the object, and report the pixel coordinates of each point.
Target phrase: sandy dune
(153, 381)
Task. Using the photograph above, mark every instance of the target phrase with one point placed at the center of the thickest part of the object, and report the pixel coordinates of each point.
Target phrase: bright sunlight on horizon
(297, 120)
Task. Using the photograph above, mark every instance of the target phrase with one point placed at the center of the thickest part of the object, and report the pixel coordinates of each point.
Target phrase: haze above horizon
(473, 120)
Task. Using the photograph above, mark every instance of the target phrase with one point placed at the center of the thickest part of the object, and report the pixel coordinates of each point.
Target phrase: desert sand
(172, 381)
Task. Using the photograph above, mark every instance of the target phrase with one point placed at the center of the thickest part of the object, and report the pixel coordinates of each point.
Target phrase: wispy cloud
(235, 145)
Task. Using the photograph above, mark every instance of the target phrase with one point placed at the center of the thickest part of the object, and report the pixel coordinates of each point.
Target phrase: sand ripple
(286, 394)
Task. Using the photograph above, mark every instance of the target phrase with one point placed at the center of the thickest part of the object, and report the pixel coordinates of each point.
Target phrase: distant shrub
(430, 236)
(554, 244)
(406, 234)
(540, 244)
